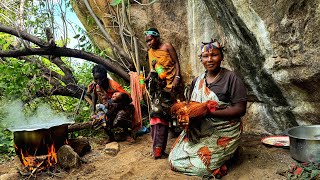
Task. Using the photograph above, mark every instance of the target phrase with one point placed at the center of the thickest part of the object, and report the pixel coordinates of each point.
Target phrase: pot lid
(33, 127)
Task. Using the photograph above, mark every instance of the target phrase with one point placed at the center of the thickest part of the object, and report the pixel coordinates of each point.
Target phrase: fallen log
(79, 126)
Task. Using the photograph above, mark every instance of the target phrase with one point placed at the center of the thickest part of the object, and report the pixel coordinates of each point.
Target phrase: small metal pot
(305, 143)
(37, 142)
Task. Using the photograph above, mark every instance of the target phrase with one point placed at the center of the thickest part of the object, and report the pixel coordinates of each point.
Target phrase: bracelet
(178, 77)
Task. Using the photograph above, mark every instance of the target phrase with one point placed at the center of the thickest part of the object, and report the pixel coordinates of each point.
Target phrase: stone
(112, 148)
(68, 158)
(80, 145)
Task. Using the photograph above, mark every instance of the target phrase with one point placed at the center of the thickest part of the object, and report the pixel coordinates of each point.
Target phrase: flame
(30, 162)
(38, 163)
(52, 155)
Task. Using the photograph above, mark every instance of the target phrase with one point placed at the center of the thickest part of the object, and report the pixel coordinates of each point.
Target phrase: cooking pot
(37, 141)
(305, 143)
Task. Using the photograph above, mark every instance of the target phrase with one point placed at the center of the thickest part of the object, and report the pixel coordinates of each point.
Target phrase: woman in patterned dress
(212, 139)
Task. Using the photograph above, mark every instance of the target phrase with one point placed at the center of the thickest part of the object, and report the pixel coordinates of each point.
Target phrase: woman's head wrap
(153, 32)
(213, 44)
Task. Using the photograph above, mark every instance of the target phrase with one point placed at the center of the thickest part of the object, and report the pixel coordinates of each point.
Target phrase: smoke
(43, 118)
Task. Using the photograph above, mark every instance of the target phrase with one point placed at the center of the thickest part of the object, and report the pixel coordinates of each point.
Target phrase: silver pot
(305, 143)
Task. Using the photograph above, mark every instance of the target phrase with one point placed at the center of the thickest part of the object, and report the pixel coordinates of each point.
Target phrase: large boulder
(273, 45)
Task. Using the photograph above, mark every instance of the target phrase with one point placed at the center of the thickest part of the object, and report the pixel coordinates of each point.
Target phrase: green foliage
(6, 143)
(83, 73)
(5, 41)
(115, 2)
(15, 82)
(90, 21)
(6, 140)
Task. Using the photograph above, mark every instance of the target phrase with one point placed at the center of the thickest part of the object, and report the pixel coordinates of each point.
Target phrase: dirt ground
(256, 161)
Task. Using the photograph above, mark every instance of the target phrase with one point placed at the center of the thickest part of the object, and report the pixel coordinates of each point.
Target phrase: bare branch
(126, 20)
(20, 17)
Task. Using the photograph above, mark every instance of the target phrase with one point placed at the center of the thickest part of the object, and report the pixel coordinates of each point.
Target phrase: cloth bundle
(184, 111)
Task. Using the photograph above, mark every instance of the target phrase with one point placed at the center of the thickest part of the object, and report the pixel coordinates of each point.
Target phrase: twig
(35, 169)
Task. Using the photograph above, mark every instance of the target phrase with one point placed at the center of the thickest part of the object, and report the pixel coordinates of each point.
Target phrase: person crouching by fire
(111, 106)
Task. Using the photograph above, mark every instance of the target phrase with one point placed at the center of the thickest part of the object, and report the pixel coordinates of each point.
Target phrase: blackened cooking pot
(305, 143)
(37, 142)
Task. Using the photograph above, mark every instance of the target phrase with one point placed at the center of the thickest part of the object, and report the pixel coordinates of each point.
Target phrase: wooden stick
(88, 100)
(78, 126)
(35, 169)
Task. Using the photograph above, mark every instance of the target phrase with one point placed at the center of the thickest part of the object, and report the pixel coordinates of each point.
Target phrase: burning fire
(38, 163)
(52, 155)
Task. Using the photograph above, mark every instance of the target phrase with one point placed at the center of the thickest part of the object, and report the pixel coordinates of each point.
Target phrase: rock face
(273, 45)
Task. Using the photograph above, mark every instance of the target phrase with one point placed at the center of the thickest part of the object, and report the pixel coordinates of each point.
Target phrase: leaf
(115, 2)
(76, 36)
(101, 53)
(85, 108)
(82, 38)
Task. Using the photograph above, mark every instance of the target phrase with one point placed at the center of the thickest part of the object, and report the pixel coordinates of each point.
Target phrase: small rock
(68, 158)
(112, 148)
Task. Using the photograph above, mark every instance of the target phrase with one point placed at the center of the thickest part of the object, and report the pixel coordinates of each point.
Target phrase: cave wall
(273, 45)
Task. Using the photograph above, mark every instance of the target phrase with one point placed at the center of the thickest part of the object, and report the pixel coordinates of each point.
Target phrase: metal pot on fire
(38, 141)
(305, 143)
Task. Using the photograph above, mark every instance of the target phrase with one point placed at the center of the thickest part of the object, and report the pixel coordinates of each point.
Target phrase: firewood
(79, 126)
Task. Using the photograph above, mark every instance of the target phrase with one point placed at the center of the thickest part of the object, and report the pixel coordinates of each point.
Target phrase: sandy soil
(256, 161)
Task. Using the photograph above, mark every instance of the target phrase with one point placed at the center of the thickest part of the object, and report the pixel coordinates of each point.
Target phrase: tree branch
(67, 52)
(23, 34)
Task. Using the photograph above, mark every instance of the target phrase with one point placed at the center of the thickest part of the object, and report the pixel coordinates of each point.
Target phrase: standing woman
(211, 140)
(162, 58)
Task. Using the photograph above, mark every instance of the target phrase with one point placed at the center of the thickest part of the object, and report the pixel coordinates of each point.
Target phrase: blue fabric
(142, 131)
(152, 33)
